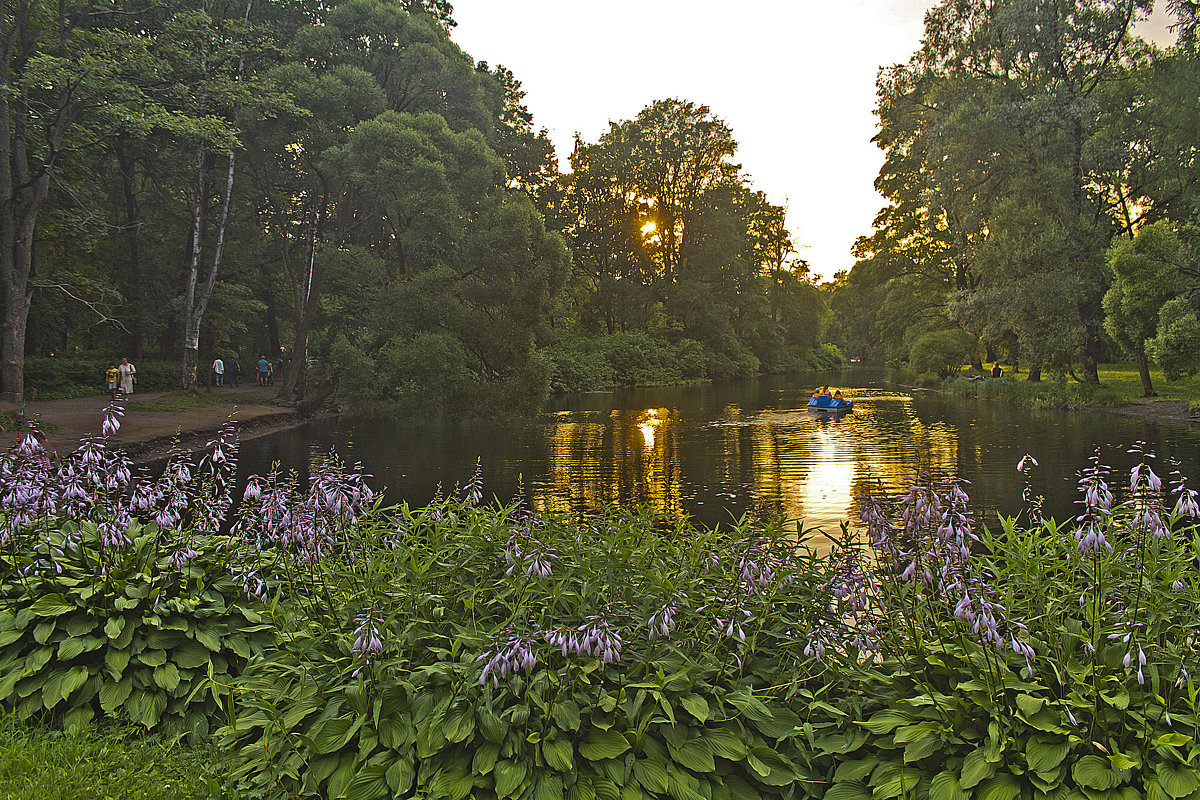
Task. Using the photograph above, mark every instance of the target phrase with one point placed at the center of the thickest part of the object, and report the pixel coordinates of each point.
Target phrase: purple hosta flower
(595, 637)
(112, 419)
(248, 578)
(253, 490)
(1178, 585)
(508, 653)
(852, 581)
(1091, 541)
(1071, 717)
(1026, 460)
(472, 493)
(662, 622)
(1186, 504)
(757, 566)
(367, 643)
(523, 553)
(818, 641)
(183, 554)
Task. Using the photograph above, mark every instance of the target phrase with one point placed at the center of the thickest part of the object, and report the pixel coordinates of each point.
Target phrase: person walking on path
(218, 368)
(127, 376)
(111, 379)
(264, 370)
(232, 368)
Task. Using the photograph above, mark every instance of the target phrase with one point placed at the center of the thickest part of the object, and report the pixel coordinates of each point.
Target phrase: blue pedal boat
(827, 403)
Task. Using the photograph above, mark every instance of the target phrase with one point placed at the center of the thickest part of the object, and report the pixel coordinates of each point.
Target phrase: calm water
(716, 451)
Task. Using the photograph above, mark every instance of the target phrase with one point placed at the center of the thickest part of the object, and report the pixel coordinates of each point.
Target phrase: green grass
(105, 763)
(1120, 385)
(186, 400)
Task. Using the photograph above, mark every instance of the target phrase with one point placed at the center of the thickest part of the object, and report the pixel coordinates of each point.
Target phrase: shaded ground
(181, 420)
(1152, 409)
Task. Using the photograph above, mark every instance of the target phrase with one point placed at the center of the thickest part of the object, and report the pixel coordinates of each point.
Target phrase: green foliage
(941, 353)
(107, 763)
(1047, 394)
(1176, 344)
(82, 377)
(130, 637)
(451, 584)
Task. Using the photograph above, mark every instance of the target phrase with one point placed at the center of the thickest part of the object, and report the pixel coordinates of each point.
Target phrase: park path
(145, 432)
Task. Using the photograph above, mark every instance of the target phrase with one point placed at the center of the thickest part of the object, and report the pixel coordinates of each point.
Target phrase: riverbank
(1119, 392)
(156, 423)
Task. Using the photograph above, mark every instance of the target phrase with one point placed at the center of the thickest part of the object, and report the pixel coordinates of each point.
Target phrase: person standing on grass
(218, 369)
(127, 376)
(232, 368)
(264, 370)
(111, 379)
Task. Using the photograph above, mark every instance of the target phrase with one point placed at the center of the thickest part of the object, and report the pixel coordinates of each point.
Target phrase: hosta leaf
(509, 776)
(855, 769)
(152, 658)
(975, 769)
(8, 637)
(113, 694)
(726, 744)
(778, 773)
(116, 661)
(922, 748)
(369, 783)
(1042, 755)
(848, 790)
(400, 776)
(650, 774)
(583, 789)
(1177, 782)
(151, 708)
(566, 715)
(944, 786)
(892, 780)
(999, 787)
(493, 728)
(694, 754)
(485, 758)
(887, 720)
(79, 624)
(559, 755)
(77, 676)
(1094, 772)
(114, 627)
(330, 734)
(696, 705)
(167, 676)
(603, 744)
(549, 787)
(51, 605)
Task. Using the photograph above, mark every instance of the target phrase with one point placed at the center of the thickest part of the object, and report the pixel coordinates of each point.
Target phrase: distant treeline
(339, 181)
(1044, 194)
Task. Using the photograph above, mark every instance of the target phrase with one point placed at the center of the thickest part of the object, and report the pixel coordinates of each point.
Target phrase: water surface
(717, 451)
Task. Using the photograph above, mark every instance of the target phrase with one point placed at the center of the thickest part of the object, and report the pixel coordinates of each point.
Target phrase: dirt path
(148, 434)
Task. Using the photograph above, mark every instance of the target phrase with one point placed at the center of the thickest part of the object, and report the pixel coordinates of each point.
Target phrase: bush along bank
(461, 650)
(1057, 393)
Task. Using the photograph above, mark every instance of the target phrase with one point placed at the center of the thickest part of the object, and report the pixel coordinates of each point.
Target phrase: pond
(718, 450)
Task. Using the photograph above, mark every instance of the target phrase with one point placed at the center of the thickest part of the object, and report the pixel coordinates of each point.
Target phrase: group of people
(225, 371)
(837, 394)
(120, 379)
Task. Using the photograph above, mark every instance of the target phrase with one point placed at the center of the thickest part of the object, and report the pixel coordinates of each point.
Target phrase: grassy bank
(107, 762)
(1120, 385)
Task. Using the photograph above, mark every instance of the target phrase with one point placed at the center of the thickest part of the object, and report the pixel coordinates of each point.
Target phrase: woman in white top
(127, 378)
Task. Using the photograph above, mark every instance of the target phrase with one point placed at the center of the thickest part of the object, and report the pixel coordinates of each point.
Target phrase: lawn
(1125, 380)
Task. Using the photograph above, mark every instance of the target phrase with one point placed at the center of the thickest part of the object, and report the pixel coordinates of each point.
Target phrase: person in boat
(838, 395)
(825, 392)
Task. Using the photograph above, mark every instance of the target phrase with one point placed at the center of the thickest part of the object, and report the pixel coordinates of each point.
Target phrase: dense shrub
(82, 377)
(1176, 345)
(941, 352)
(1046, 394)
(105, 615)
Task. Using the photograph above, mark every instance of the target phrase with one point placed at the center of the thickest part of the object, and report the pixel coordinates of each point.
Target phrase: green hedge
(54, 378)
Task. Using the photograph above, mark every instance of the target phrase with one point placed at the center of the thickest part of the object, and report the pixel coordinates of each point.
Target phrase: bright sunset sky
(794, 79)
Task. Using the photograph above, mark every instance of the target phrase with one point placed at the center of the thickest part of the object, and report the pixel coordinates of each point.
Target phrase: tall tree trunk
(1143, 365)
(307, 294)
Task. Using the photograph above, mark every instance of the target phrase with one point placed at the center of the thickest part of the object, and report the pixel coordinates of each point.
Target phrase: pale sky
(794, 79)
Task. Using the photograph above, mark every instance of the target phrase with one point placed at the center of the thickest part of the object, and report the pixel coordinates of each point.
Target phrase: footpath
(155, 423)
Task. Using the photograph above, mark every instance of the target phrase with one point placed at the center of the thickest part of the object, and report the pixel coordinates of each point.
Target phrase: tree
(1147, 273)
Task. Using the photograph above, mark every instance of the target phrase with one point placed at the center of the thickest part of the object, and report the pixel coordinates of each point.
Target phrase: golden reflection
(803, 465)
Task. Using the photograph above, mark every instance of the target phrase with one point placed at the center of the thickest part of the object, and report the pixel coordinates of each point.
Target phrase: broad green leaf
(893, 780)
(1177, 782)
(566, 715)
(1042, 755)
(848, 790)
(400, 776)
(603, 744)
(70, 648)
(151, 708)
(112, 695)
(726, 744)
(509, 776)
(922, 748)
(549, 787)
(694, 754)
(559, 755)
(975, 768)
(887, 720)
(650, 774)
(853, 770)
(1095, 772)
(1029, 704)
(369, 783)
(51, 605)
(1002, 786)
(114, 627)
(944, 786)
(696, 705)
(167, 676)
(779, 772)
